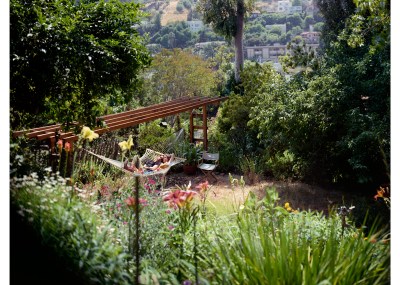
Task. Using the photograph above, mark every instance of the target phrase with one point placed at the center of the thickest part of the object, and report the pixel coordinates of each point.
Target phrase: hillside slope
(170, 14)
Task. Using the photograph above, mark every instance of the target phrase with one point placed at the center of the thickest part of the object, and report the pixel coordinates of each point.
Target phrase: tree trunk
(238, 39)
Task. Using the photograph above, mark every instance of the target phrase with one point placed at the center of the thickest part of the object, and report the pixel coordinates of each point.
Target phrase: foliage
(174, 35)
(371, 18)
(252, 168)
(261, 243)
(191, 152)
(321, 118)
(153, 136)
(26, 157)
(269, 245)
(177, 73)
(334, 15)
(232, 121)
(68, 225)
(365, 76)
(67, 59)
(283, 166)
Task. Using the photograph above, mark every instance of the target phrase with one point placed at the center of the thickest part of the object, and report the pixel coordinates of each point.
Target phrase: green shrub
(251, 168)
(153, 136)
(68, 225)
(283, 166)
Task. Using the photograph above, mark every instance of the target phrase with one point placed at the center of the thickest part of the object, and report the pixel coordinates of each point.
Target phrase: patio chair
(208, 163)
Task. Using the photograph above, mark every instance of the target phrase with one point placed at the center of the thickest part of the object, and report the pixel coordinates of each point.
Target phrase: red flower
(381, 193)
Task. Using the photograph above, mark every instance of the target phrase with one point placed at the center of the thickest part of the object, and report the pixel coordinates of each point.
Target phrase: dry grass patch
(300, 195)
(170, 14)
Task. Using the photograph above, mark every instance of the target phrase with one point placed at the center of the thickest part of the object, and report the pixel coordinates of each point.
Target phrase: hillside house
(195, 25)
(269, 53)
(311, 37)
(283, 6)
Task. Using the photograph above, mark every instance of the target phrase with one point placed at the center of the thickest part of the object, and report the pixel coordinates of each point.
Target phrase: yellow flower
(289, 209)
(126, 145)
(287, 205)
(87, 133)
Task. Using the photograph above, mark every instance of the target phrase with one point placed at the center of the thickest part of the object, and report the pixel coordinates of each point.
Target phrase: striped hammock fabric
(148, 155)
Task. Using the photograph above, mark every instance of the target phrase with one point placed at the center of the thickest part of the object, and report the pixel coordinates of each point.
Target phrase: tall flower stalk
(135, 204)
(85, 137)
(203, 190)
(126, 147)
(181, 200)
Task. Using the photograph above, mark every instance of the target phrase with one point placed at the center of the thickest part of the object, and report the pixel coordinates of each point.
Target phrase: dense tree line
(330, 122)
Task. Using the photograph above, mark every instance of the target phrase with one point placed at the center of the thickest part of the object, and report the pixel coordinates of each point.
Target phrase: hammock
(148, 155)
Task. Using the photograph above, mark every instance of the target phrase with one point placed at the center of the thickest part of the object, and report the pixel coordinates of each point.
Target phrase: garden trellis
(53, 133)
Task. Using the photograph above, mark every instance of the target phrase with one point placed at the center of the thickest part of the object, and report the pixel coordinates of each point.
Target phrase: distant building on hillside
(283, 6)
(205, 44)
(286, 7)
(311, 37)
(294, 9)
(195, 25)
(269, 53)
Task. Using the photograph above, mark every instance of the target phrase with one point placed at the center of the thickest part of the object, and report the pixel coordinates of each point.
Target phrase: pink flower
(171, 227)
(179, 198)
(59, 145)
(203, 187)
(67, 147)
(130, 202)
(151, 181)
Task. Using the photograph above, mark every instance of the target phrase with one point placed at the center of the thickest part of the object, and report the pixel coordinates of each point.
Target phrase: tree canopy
(177, 73)
(67, 58)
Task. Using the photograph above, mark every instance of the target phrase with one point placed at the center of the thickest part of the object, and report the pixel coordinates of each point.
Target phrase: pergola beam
(128, 118)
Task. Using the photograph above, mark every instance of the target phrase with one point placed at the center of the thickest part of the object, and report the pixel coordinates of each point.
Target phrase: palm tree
(227, 19)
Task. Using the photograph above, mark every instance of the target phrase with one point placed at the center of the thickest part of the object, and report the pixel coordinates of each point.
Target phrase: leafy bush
(283, 166)
(27, 156)
(68, 225)
(153, 136)
(252, 168)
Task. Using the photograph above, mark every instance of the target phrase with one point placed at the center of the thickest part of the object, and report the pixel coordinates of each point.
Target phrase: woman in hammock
(160, 162)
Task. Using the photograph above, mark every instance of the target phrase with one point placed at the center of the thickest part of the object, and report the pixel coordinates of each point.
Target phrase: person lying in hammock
(158, 163)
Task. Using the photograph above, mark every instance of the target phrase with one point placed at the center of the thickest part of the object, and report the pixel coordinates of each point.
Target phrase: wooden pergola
(132, 118)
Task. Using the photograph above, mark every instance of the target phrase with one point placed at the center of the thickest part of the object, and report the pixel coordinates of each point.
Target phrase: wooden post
(205, 139)
(191, 127)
